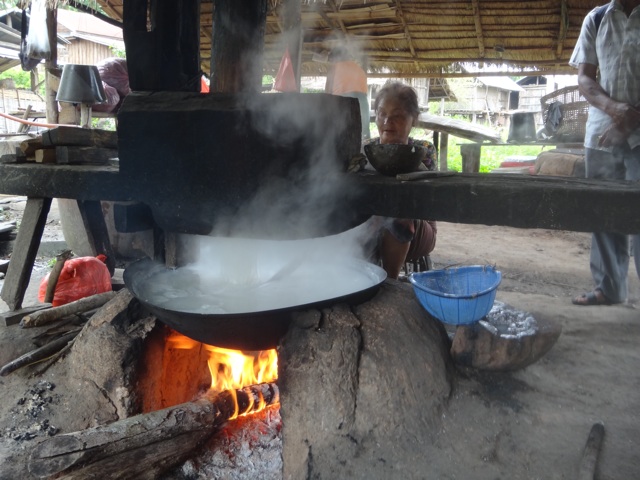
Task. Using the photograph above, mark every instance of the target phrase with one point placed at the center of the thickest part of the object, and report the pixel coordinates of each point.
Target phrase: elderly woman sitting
(402, 240)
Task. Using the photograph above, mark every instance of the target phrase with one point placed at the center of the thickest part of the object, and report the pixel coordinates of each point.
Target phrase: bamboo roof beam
(564, 24)
(336, 9)
(439, 75)
(406, 30)
(478, 23)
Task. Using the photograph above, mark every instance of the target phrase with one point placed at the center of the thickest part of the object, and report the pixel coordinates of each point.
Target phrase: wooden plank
(29, 147)
(25, 251)
(24, 127)
(81, 182)
(84, 155)
(13, 317)
(80, 137)
(45, 156)
(459, 128)
(521, 201)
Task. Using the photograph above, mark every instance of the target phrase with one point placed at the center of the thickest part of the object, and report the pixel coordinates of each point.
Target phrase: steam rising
(235, 275)
(232, 271)
(302, 202)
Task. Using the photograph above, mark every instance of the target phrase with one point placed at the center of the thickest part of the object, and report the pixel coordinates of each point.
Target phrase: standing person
(609, 41)
(346, 78)
(402, 239)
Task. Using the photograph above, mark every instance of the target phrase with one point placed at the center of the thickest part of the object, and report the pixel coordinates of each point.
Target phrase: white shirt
(616, 51)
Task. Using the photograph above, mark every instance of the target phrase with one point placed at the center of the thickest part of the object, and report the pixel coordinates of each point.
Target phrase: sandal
(591, 298)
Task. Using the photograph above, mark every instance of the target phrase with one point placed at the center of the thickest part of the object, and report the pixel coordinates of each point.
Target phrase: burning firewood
(145, 445)
(42, 317)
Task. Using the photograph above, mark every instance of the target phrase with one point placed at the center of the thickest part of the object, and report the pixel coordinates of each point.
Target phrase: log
(144, 445)
(83, 155)
(38, 354)
(42, 317)
(55, 274)
(591, 452)
(79, 137)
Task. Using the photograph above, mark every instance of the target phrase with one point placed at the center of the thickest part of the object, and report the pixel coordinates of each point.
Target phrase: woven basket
(575, 110)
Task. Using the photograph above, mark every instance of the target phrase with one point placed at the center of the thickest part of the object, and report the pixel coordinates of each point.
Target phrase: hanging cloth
(285, 79)
(27, 63)
(38, 37)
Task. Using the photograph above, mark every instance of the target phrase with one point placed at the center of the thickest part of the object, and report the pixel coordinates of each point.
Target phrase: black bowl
(394, 158)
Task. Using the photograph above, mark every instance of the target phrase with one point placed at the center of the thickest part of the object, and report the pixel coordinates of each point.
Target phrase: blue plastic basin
(457, 295)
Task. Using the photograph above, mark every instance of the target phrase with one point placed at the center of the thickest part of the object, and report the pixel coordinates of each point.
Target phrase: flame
(234, 369)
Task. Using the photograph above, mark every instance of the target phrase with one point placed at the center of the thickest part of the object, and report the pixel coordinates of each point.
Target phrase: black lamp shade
(81, 84)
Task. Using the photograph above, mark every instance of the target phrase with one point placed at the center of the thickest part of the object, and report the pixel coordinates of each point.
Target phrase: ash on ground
(248, 448)
(29, 416)
(507, 322)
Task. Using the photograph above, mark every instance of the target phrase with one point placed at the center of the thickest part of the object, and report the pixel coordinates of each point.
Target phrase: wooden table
(471, 152)
(88, 185)
(523, 201)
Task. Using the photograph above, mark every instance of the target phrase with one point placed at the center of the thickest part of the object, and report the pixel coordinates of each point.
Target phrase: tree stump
(362, 388)
(476, 347)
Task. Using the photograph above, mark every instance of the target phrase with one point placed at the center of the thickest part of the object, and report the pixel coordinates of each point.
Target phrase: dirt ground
(533, 423)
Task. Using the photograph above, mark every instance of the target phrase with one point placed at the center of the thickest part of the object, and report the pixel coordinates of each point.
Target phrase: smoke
(313, 196)
(309, 199)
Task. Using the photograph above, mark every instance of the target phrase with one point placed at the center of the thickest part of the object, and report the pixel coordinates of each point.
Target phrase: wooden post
(93, 219)
(444, 151)
(33, 76)
(237, 45)
(470, 157)
(51, 67)
(292, 26)
(162, 41)
(25, 251)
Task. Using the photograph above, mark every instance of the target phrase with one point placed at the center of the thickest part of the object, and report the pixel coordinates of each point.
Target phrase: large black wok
(242, 331)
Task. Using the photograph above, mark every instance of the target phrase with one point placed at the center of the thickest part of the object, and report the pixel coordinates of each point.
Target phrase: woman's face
(393, 121)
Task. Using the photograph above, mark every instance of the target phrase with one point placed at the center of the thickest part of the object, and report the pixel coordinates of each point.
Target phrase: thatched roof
(421, 37)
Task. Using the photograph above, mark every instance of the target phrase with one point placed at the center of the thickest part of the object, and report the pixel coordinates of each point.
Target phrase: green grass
(491, 156)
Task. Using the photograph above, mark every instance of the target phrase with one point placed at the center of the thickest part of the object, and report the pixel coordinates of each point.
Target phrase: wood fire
(233, 369)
